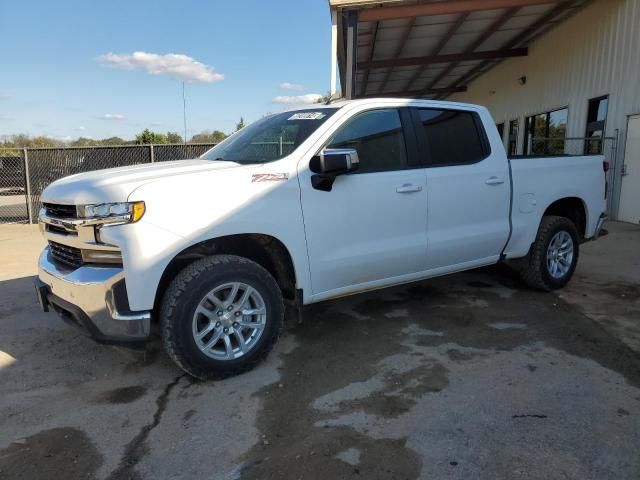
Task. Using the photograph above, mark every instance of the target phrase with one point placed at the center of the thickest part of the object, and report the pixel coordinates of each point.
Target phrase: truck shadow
(370, 358)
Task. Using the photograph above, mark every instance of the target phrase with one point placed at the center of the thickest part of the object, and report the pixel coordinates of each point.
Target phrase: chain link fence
(25, 173)
(13, 187)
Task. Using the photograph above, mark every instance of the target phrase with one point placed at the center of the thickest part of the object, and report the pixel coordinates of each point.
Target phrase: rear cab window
(450, 137)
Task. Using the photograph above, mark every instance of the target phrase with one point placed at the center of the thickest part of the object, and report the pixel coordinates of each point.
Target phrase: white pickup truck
(300, 207)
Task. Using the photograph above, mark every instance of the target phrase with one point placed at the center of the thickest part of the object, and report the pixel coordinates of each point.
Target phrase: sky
(97, 69)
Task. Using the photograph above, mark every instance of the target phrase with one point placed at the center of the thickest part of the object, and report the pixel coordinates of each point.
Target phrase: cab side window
(378, 138)
(451, 137)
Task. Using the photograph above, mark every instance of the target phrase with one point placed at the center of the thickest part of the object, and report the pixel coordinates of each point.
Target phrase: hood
(116, 184)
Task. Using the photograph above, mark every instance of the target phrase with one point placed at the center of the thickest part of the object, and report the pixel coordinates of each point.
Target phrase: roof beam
(441, 44)
(453, 57)
(396, 54)
(535, 26)
(372, 46)
(493, 28)
(435, 91)
(518, 39)
(443, 8)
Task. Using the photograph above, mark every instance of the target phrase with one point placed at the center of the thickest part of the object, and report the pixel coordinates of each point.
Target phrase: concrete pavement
(466, 376)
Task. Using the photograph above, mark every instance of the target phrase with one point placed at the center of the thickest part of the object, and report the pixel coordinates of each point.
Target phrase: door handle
(494, 181)
(408, 188)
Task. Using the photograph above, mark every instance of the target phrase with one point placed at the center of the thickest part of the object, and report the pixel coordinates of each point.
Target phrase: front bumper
(93, 298)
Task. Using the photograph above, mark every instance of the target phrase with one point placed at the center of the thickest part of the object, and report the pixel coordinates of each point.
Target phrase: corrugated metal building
(558, 76)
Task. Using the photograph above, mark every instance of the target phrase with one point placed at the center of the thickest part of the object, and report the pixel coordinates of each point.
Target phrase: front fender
(184, 211)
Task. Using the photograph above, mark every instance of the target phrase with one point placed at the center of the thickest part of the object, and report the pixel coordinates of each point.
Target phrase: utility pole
(184, 113)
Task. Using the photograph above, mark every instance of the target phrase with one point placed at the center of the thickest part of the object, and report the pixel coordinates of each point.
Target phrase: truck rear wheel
(221, 316)
(553, 256)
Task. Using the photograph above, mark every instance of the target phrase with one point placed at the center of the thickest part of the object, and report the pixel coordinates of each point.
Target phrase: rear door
(372, 225)
(468, 188)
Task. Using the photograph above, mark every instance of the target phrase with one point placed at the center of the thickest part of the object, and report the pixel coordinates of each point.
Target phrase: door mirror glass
(335, 161)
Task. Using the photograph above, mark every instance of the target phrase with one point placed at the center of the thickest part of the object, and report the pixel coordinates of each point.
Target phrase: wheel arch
(266, 250)
(573, 208)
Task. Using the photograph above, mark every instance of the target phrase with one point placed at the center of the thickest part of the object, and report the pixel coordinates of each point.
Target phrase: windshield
(270, 138)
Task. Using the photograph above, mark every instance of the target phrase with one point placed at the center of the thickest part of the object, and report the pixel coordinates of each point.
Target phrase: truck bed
(537, 181)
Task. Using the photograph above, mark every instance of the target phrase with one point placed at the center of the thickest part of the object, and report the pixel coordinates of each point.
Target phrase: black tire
(184, 295)
(533, 268)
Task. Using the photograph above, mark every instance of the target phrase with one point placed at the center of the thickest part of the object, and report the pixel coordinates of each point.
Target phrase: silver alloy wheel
(560, 254)
(229, 321)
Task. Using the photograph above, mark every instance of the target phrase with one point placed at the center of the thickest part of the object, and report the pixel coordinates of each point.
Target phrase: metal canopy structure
(431, 49)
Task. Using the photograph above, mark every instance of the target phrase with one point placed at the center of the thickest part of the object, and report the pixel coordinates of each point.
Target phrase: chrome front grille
(58, 230)
(60, 211)
(72, 239)
(63, 253)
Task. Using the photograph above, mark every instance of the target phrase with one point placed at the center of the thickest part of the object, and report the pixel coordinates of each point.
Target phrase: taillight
(605, 168)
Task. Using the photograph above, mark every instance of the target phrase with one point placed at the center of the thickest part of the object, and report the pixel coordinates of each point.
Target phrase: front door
(629, 210)
(372, 225)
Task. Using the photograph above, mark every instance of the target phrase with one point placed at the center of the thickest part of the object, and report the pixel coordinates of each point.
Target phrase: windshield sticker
(269, 177)
(307, 116)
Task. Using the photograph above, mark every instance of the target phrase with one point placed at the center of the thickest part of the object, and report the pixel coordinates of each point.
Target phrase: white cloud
(81, 128)
(174, 65)
(291, 86)
(298, 99)
(112, 116)
(5, 96)
(156, 124)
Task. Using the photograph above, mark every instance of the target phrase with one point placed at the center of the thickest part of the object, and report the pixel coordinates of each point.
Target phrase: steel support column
(334, 52)
(352, 49)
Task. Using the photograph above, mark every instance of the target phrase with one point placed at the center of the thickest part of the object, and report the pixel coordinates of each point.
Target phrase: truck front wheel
(553, 256)
(221, 316)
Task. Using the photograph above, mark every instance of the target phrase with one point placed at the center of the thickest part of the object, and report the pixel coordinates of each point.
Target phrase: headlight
(128, 212)
(101, 256)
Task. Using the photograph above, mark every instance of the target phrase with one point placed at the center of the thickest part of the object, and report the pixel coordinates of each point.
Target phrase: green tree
(92, 142)
(240, 125)
(25, 141)
(21, 140)
(114, 141)
(147, 137)
(173, 137)
(85, 142)
(217, 136)
(208, 137)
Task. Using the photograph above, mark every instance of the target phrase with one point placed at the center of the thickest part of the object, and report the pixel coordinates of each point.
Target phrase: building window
(545, 133)
(514, 126)
(596, 124)
(500, 127)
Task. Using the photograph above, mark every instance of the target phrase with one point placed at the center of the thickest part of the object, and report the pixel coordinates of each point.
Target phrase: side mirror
(330, 163)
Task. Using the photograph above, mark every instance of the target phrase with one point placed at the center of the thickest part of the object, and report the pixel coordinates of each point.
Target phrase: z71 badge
(269, 177)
